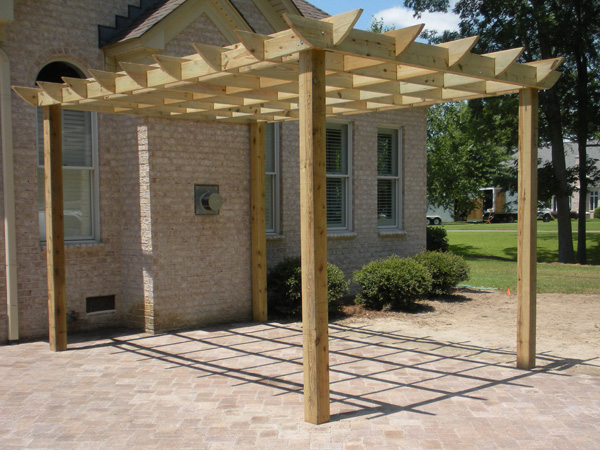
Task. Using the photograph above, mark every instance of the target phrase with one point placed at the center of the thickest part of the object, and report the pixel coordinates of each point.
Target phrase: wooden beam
(313, 235)
(55, 239)
(257, 213)
(527, 237)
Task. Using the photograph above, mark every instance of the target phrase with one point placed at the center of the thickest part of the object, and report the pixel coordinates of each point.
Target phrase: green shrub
(284, 288)
(446, 269)
(437, 239)
(392, 283)
(597, 213)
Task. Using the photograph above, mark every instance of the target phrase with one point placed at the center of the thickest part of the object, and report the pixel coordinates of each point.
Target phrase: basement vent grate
(102, 303)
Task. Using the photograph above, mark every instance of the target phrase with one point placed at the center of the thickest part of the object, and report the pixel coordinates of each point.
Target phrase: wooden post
(313, 235)
(527, 239)
(257, 211)
(55, 233)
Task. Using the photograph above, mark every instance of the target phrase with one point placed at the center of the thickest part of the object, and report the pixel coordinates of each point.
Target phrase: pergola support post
(257, 212)
(313, 235)
(55, 234)
(527, 236)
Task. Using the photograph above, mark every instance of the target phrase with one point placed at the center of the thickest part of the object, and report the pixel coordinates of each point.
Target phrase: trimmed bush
(597, 213)
(437, 239)
(284, 288)
(393, 283)
(446, 269)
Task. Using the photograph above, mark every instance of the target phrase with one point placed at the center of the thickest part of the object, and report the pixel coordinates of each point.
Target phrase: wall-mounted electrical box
(207, 200)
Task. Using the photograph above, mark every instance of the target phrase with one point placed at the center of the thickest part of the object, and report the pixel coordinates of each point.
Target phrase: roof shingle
(142, 18)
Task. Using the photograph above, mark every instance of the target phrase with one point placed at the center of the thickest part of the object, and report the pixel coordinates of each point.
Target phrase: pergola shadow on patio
(241, 387)
(378, 363)
(315, 69)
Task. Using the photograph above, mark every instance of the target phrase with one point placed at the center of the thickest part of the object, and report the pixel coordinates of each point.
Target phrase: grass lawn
(591, 225)
(492, 258)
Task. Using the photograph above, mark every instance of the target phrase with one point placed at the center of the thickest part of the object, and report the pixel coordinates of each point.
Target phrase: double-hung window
(593, 200)
(338, 165)
(79, 175)
(272, 177)
(389, 178)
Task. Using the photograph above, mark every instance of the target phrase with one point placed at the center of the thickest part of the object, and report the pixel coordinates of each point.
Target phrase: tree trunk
(550, 104)
(582, 93)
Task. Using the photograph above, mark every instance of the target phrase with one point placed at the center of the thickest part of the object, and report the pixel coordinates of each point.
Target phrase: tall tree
(547, 29)
(464, 154)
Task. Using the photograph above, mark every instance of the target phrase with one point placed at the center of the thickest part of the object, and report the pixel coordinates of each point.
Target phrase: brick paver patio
(240, 387)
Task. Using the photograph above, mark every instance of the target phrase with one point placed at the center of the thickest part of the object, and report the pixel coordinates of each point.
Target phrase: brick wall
(168, 267)
(91, 270)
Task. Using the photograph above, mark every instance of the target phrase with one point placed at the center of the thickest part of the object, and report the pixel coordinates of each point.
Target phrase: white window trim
(399, 225)
(276, 198)
(591, 194)
(349, 181)
(95, 181)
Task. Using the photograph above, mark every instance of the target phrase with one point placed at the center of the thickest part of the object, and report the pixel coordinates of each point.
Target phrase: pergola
(315, 69)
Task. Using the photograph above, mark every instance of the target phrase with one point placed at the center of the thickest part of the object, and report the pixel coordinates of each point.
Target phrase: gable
(152, 33)
(153, 24)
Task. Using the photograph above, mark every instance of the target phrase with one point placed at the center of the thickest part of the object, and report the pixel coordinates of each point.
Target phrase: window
(593, 200)
(389, 181)
(338, 164)
(80, 183)
(272, 177)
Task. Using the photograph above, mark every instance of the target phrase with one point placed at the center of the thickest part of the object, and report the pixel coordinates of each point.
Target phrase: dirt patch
(568, 326)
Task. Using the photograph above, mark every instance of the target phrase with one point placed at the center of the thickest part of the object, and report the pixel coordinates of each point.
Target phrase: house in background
(572, 161)
(137, 253)
(497, 200)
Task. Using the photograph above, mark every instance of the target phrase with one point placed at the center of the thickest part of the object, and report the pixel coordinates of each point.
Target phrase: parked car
(434, 220)
(544, 214)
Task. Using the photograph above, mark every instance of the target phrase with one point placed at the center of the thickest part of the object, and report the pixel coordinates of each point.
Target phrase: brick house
(137, 255)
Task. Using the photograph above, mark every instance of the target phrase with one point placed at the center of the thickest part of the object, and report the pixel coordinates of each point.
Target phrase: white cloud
(403, 17)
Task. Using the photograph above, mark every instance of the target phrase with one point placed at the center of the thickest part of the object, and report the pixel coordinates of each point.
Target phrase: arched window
(80, 173)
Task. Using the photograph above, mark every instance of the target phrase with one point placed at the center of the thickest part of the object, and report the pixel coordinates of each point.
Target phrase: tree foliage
(571, 110)
(465, 154)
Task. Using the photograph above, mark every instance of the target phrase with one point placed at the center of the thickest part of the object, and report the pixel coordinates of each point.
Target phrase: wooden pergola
(315, 69)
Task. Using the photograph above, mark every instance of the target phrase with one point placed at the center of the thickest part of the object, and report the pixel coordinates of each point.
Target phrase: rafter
(364, 72)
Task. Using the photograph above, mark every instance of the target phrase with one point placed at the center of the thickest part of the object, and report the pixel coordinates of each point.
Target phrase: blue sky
(393, 13)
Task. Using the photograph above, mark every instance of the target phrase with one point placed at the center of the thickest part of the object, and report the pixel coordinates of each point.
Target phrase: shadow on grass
(470, 252)
(545, 251)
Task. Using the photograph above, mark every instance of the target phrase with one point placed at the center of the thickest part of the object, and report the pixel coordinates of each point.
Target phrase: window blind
(388, 180)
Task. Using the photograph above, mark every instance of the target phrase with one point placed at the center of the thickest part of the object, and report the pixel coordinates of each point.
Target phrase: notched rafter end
(211, 54)
(405, 36)
(53, 90)
(137, 72)
(78, 85)
(30, 95)
(505, 58)
(108, 80)
(343, 24)
(253, 42)
(545, 67)
(315, 33)
(170, 64)
(458, 49)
